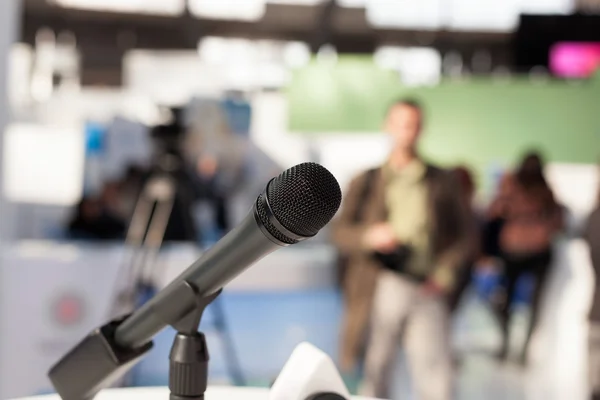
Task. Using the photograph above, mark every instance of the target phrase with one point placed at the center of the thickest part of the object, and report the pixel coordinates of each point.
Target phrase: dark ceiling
(103, 37)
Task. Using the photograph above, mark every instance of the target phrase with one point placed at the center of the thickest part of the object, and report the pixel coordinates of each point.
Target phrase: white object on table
(308, 371)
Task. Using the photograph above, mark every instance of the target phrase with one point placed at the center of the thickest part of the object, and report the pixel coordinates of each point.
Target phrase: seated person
(93, 221)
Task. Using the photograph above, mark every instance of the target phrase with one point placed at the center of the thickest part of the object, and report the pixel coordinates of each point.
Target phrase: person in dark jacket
(403, 254)
(592, 236)
(531, 218)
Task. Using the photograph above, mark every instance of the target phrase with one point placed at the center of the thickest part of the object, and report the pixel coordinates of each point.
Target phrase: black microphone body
(239, 249)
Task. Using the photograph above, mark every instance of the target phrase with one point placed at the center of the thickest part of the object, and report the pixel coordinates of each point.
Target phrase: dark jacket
(451, 235)
(592, 236)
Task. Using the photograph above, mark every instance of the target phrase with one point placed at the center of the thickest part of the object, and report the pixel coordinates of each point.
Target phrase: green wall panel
(480, 122)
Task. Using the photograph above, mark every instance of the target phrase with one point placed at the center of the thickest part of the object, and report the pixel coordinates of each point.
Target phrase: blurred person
(209, 172)
(187, 186)
(465, 273)
(93, 221)
(494, 218)
(490, 239)
(592, 236)
(528, 219)
(405, 237)
(110, 198)
(130, 187)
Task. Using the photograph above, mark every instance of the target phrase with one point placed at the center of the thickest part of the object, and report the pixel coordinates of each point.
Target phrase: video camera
(169, 137)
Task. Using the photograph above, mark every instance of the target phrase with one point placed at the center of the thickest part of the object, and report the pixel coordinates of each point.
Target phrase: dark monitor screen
(564, 44)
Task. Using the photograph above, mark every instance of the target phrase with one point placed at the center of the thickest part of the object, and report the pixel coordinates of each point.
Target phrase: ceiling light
(296, 2)
(421, 66)
(327, 54)
(547, 6)
(241, 10)
(484, 15)
(157, 7)
(500, 16)
(417, 66)
(452, 64)
(296, 54)
(213, 50)
(273, 75)
(352, 3)
(388, 57)
(405, 14)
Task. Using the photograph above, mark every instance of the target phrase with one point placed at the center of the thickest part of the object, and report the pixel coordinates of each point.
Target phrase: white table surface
(162, 393)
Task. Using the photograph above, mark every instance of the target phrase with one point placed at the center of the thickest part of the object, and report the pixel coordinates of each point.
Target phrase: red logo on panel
(68, 310)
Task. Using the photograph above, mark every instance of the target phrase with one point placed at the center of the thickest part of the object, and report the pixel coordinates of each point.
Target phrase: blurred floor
(557, 369)
(477, 337)
(482, 376)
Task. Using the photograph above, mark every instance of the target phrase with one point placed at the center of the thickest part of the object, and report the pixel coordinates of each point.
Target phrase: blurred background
(97, 97)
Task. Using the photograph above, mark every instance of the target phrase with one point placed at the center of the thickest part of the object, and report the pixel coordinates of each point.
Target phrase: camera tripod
(145, 238)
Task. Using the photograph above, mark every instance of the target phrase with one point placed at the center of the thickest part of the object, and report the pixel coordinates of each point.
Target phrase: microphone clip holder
(94, 364)
(188, 360)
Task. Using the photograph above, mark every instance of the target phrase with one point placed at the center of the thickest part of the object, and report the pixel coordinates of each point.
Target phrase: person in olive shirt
(404, 253)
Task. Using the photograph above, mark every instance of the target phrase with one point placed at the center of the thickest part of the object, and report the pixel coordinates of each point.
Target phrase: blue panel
(265, 327)
(239, 114)
(94, 137)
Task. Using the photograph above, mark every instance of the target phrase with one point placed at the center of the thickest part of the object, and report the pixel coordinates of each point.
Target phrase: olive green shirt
(406, 199)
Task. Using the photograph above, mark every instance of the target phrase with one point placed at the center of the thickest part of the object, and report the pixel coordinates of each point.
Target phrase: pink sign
(575, 59)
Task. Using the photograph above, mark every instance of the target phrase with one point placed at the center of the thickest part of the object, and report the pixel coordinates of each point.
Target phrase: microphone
(294, 206)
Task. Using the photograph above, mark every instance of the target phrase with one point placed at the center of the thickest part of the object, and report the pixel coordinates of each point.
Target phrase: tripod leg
(139, 220)
(124, 300)
(127, 289)
(136, 233)
(155, 236)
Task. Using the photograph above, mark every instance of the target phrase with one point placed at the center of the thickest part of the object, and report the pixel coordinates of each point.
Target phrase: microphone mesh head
(303, 199)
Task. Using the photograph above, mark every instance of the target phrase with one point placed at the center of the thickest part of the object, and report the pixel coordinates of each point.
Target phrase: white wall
(344, 154)
(269, 130)
(576, 187)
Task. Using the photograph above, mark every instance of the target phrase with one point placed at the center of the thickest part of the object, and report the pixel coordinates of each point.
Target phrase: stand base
(175, 397)
(94, 364)
(326, 396)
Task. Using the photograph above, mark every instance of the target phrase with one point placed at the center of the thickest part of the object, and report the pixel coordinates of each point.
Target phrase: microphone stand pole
(188, 361)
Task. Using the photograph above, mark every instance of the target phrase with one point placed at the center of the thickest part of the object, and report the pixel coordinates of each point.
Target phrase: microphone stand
(145, 237)
(98, 360)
